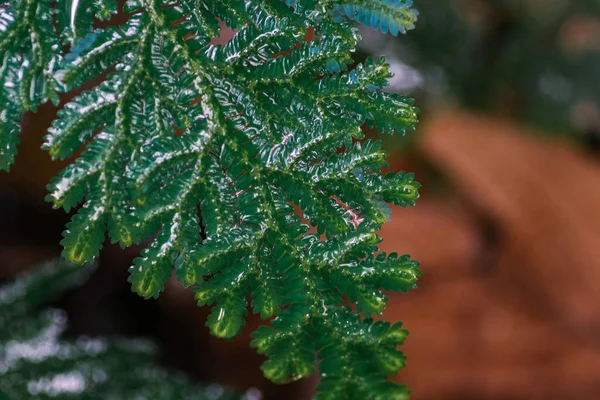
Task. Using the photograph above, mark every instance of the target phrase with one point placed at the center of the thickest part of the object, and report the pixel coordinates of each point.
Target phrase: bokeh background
(507, 228)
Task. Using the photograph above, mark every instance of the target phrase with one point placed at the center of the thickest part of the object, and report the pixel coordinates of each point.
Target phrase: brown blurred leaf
(526, 328)
(443, 223)
(545, 199)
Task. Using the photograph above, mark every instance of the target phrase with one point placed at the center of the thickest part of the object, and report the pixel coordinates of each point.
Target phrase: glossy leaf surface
(243, 170)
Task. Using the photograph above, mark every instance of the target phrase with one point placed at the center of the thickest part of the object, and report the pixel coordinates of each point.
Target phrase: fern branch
(209, 153)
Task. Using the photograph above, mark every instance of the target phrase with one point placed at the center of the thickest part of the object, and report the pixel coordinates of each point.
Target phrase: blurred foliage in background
(534, 60)
(36, 364)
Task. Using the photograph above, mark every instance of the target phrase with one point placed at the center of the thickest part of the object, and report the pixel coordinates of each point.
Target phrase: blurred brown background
(507, 228)
(508, 305)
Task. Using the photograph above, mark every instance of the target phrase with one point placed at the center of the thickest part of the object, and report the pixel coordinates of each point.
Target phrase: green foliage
(395, 16)
(242, 169)
(538, 64)
(36, 364)
(29, 51)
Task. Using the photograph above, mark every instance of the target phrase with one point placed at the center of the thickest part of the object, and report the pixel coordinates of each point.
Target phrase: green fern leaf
(30, 51)
(241, 167)
(75, 18)
(10, 115)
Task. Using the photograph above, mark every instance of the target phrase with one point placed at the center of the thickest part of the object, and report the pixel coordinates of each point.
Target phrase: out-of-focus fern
(36, 364)
(507, 57)
(209, 154)
(393, 16)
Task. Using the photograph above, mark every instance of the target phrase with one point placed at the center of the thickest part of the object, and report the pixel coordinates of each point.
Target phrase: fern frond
(75, 19)
(212, 154)
(11, 112)
(30, 51)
